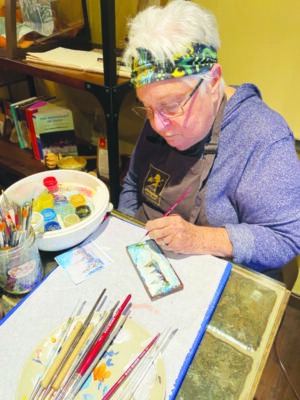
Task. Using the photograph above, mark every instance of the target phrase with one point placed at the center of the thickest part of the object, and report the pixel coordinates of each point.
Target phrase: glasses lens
(171, 110)
(141, 112)
(168, 111)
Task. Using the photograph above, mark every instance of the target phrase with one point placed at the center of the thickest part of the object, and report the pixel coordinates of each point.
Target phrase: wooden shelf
(19, 162)
(110, 98)
(65, 76)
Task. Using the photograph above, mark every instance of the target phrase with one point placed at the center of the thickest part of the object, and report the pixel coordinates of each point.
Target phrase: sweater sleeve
(129, 200)
(268, 203)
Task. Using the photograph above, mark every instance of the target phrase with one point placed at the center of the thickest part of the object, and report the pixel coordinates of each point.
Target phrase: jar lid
(48, 214)
(72, 162)
(51, 183)
(37, 221)
(52, 226)
(77, 199)
(83, 211)
(60, 199)
(71, 219)
(65, 209)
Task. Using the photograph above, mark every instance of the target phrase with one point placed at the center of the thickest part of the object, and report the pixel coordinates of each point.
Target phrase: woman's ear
(216, 74)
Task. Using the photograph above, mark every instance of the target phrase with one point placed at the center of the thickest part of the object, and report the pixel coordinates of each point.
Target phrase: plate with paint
(146, 382)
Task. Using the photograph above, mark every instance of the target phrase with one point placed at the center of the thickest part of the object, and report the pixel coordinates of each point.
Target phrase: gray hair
(207, 78)
(168, 31)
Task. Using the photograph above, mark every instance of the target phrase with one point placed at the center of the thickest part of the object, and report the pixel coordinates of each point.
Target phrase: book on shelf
(9, 130)
(52, 129)
(89, 61)
(36, 146)
(21, 122)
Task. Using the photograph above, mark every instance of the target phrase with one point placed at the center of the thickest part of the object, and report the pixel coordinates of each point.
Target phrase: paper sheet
(52, 302)
(90, 61)
(82, 261)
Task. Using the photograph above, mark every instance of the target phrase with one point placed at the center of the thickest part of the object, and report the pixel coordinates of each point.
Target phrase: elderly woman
(235, 153)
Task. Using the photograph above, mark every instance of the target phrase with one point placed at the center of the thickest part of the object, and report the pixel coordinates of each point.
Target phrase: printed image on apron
(154, 184)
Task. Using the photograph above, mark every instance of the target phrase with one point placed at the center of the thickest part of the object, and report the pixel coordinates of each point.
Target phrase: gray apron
(165, 174)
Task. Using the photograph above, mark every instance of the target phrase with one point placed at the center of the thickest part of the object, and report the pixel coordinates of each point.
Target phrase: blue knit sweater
(254, 186)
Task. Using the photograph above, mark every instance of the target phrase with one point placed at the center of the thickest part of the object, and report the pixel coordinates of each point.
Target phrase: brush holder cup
(20, 266)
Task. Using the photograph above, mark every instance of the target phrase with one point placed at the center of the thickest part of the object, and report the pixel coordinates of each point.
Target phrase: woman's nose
(159, 122)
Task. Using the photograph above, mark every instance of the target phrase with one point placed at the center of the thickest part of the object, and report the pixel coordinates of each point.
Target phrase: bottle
(99, 138)
(102, 158)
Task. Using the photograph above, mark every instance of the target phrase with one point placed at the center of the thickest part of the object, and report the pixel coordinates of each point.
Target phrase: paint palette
(130, 341)
(70, 235)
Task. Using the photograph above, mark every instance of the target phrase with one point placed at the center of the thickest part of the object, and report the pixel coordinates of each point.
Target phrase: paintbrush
(55, 350)
(171, 208)
(128, 390)
(72, 391)
(65, 352)
(92, 354)
(67, 382)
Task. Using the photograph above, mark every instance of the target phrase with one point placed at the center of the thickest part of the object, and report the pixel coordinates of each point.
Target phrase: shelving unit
(108, 88)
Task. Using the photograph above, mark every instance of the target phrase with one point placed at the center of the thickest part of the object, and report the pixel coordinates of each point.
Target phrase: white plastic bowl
(28, 188)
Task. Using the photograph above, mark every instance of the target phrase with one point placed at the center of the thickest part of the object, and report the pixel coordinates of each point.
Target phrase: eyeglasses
(167, 111)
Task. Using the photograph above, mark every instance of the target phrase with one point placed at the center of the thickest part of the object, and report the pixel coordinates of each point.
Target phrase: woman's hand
(175, 234)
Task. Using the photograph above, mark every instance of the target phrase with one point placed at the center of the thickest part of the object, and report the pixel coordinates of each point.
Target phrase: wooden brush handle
(58, 360)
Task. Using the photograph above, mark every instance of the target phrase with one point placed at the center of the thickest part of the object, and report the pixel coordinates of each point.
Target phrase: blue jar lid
(48, 214)
(52, 226)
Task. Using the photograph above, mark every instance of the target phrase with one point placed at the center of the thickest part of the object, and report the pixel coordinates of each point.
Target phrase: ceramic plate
(130, 341)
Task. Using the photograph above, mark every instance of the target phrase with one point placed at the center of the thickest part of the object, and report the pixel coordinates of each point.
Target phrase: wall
(260, 44)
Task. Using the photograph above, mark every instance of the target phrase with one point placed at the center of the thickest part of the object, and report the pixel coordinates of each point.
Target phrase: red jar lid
(51, 183)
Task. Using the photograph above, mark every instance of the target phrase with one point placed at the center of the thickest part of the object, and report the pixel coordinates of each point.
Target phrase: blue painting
(154, 269)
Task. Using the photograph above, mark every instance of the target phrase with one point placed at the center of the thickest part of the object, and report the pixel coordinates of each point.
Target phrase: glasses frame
(150, 113)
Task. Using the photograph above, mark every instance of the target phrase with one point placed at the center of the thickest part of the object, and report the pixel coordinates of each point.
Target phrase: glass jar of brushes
(20, 265)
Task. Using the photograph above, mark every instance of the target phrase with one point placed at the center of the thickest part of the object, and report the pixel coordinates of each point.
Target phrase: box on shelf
(31, 25)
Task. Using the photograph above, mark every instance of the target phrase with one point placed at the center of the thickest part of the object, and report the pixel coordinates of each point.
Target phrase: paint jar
(77, 200)
(51, 184)
(60, 201)
(83, 211)
(66, 209)
(45, 200)
(37, 222)
(52, 226)
(48, 214)
(20, 266)
(70, 220)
